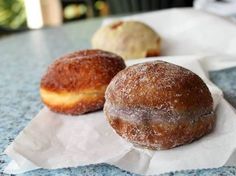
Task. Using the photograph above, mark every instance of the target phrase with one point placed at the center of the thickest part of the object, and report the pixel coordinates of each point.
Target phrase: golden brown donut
(76, 83)
(159, 105)
(129, 39)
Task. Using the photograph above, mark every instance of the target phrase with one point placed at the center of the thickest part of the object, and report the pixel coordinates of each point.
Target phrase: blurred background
(22, 15)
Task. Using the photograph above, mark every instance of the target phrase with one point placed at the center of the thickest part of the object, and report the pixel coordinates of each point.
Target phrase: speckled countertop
(23, 59)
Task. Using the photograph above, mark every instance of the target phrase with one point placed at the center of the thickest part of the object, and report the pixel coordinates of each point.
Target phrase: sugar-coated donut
(76, 83)
(159, 105)
(129, 39)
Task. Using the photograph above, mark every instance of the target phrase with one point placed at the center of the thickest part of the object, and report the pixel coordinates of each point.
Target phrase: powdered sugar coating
(159, 105)
(158, 91)
(82, 70)
(161, 136)
(76, 83)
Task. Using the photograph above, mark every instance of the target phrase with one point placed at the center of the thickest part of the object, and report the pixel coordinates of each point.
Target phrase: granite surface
(23, 59)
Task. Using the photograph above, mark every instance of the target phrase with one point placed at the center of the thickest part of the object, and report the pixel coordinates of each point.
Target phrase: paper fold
(53, 141)
(58, 141)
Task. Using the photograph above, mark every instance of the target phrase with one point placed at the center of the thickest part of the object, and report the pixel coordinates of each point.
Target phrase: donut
(129, 39)
(158, 105)
(76, 83)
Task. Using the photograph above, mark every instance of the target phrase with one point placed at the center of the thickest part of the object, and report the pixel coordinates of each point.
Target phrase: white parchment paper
(187, 31)
(54, 141)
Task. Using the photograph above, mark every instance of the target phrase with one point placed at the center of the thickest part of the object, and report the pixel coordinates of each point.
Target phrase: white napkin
(187, 31)
(58, 141)
(226, 7)
(53, 141)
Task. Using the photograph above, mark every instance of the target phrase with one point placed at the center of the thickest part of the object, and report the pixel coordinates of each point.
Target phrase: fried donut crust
(76, 83)
(159, 105)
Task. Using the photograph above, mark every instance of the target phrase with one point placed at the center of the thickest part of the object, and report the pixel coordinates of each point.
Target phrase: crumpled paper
(187, 31)
(54, 141)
